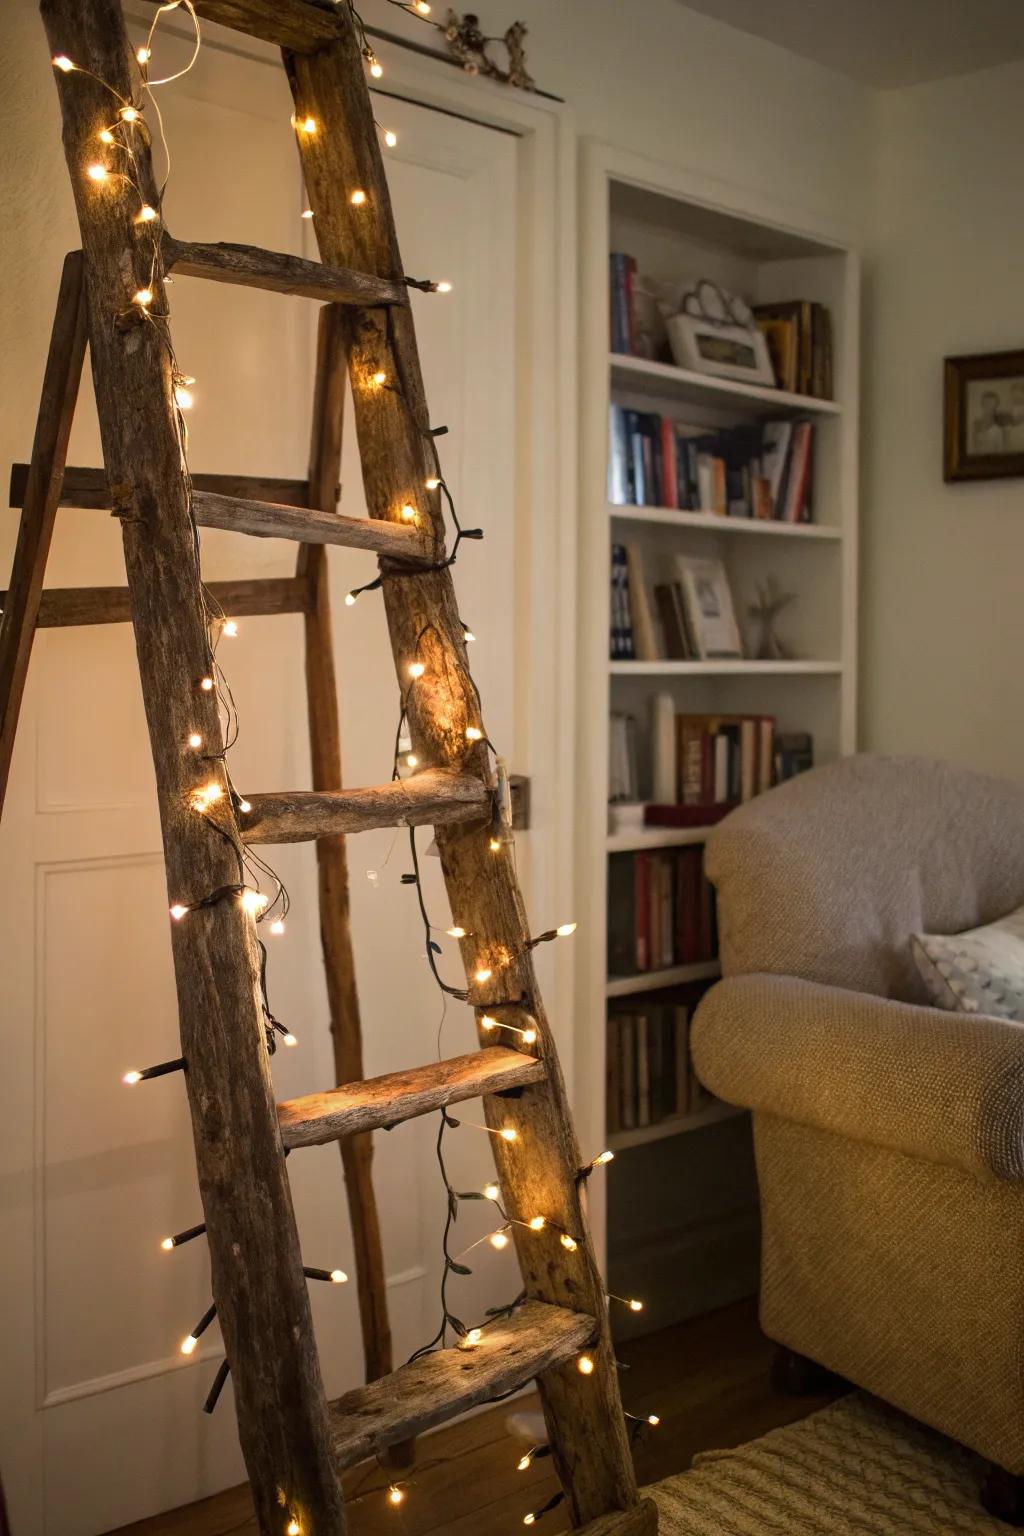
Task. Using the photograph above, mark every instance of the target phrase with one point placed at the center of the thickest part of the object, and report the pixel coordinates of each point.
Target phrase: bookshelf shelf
(713, 522)
(621, 1141)
(656, 837)
(641, 376)
(650, 981)
(677, 229)
(741, 668)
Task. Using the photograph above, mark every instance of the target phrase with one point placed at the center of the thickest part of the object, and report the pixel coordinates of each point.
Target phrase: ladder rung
(433, 797)
(63, 607)
(379, 1101)
(250, 267)
(438, 1386)
(302, 26)
(641, 1520)
(87, 488)
(267, 520)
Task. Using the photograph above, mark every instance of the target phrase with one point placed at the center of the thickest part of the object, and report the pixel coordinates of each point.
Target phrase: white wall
(941, 614)
(658, 79)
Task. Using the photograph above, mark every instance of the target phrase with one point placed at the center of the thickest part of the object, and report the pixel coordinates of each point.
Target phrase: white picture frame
(709, 608)
(726, 351)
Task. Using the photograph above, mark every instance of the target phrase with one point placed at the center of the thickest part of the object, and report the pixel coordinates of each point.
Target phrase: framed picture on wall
(984, 438)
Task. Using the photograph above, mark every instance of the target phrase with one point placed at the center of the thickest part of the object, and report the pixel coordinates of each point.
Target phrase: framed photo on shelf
(984, 416)
(711, 617)
(726, 351)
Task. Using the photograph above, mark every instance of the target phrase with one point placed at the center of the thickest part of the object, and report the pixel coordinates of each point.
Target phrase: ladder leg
(41, 499)
(256, 1266)
(539, 1169)
(331, 853)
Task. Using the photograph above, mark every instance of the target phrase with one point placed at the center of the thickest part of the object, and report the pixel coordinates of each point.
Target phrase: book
(707, 599)
(645, 641)
(659, 906)
(649, 1072)
(623, 776)
(798, 334)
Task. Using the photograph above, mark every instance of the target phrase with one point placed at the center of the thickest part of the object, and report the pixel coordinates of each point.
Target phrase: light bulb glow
(529, 1036)
(474, 733)
(416, 669)
(231, 628)
(131, 1078)
(184, 400)
(508, 1134)
(653, 1419)
(444, 287)
(468, 636)
(456, 932)
(568, 1243)
(350, 599)
(603, 1157)
(143, 55)
(635, 1306)
(105, 136)
(390, 138)
(529, 1519)
(129, 114)
(498, 1240)
(483, 974)
(307, 213)
(433, 483)
(472, 1337)
(585, 1365)
(358, 198)
(178, 911)
(408, 513)
(146, 214)
(195, 741)
(143, 297)
(494, 845)
(565, 929)
(411, 760)
(380, 377)
(188, 1344)
(254, 901)
(338, 1276)
(524, 1462)
(293, 1528)
(307, 125)
(289, 1039)
(423, 7)
(245, 806)
(277, 926)
(395, 1494)
(167, 1244)
(537, 1223)
(376, 69)
(96, 172)
(491, 1192)
(62, 62)
(206, 684)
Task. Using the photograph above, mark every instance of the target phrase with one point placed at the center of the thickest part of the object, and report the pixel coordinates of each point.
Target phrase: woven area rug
(856, 1468)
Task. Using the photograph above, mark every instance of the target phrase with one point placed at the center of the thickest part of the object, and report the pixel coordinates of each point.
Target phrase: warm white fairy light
(358, 198)
(185, 400)
(131, 1078)
(289, 1039)
(195, 741)
(423, 7)
(444, 287)
(508, 1134)
(254, 901)
(306, 125)
(474, 733)
(62, 62)
(602, 1158)
(471, 1339)
(483, 974)
(129, 114)
(380, 377)
(390, 138)
(245, 806)
(411, 760)
(432, 483)
(525, 1462)
(178, 911)
(456, 932)
(416, 669)
(494, 845)
(105, 136)
(97, 172)
(167, 1244)
(468, 635)
(565, 929)
(395, 1494)
(143, 55)
(537, 1223)
(146, 214)
(277, 926)
(350, 599)
(408, 513)
(231, 629)
(143, 297)
(307, 213)
(491, 1192)
(568, 1243)
(654, 1420)
(376, 68)
(206, 684)
(338, 1276)
(293, 1528)
(585, 1365)
(188, 1344)
(498, 1240)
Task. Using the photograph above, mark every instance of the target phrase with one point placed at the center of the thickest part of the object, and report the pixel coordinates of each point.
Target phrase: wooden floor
(707, 1379)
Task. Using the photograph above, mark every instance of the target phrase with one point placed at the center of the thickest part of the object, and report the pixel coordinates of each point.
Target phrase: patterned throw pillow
(980, 971)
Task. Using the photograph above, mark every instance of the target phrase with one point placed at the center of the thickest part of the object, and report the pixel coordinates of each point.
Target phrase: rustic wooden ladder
(294, 1441)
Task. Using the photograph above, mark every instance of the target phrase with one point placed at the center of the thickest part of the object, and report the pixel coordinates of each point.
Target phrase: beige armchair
(889, 1134)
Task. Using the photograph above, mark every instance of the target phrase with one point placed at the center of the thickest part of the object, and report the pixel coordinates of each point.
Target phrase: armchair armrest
(947, 1087)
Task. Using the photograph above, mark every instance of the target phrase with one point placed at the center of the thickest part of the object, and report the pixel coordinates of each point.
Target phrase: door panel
(102, 1419)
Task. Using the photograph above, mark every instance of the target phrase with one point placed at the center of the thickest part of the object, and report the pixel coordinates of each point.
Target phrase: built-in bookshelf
(684, 1184)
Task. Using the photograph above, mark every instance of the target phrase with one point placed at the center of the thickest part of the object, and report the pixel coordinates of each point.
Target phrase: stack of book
(661, 911)
(761, 471)
(649, 1073)
(722, 761)
(799, 337)
(693, 617)
(623, 774)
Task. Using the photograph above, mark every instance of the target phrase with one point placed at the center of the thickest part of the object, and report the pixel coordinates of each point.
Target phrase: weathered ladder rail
(293, 1440)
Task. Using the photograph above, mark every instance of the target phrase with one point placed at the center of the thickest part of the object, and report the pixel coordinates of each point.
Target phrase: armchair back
(827, 876)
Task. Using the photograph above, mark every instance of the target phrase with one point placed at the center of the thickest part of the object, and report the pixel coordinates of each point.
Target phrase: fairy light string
(117, 162)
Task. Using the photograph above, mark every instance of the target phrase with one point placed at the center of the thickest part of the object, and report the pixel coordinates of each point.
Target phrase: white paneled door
(102, 1419)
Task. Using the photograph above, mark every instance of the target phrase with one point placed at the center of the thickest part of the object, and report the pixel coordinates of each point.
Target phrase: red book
(684, 815)
(669, 478)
